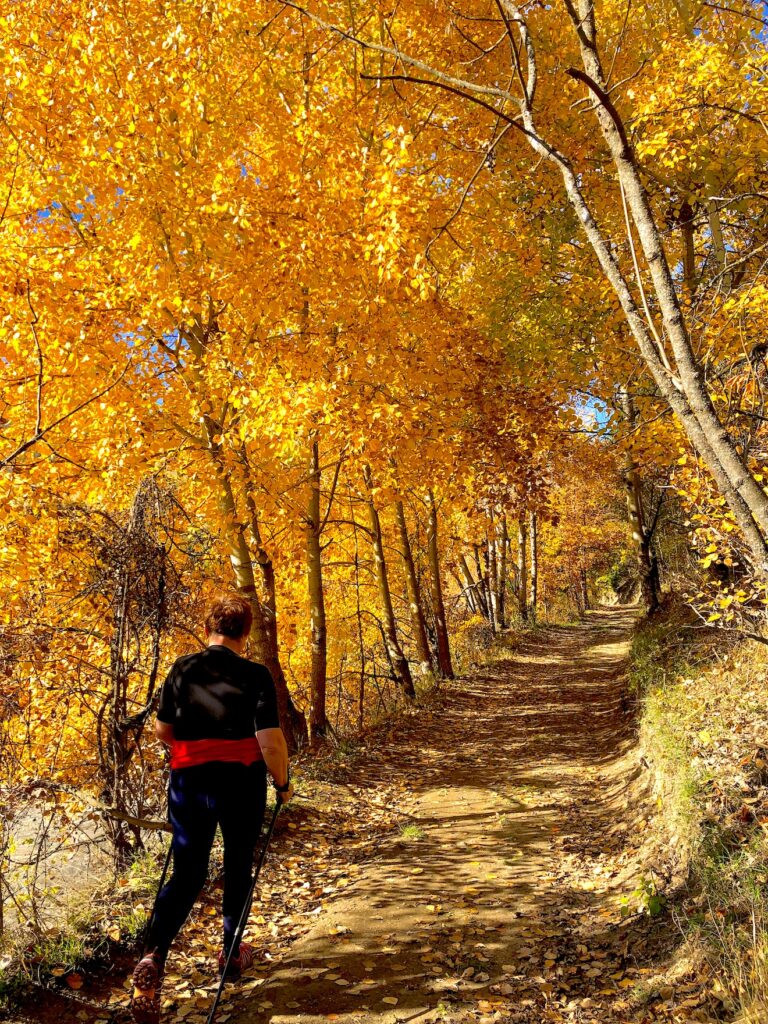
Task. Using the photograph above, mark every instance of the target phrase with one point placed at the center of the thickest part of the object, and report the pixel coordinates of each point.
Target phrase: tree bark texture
(474, 589)
(646, 567)
(715, 446)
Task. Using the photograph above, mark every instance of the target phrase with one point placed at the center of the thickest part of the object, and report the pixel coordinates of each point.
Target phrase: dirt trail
(497, 903)
(468, 869)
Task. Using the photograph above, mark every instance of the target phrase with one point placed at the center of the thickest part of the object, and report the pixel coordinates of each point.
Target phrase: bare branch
(404, 58)
(30, 442)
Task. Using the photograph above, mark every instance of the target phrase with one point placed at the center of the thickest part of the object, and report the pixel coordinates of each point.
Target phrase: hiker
(218, 714)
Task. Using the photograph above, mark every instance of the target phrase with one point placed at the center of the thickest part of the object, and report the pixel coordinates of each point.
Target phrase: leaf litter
(506, 909)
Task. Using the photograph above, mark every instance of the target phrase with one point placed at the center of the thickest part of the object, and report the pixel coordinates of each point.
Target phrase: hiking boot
(238, 963)
(145, 1001)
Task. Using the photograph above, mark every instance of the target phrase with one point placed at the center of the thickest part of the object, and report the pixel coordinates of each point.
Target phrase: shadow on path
(466, 911)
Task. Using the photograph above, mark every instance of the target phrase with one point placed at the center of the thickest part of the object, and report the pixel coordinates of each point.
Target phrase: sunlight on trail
(471, 869)
(491, 914)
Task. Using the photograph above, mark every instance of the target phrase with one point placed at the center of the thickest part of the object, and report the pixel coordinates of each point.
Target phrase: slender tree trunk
(533, 541)
(482, 584)
(264, 603)
(264, 635)
(501, 562)
(493, 567)
(359, 616)
(584, 589)
(245, 581)
(687, 395)
(465, 592)
(716, 447)
(488, 585)
(395, 654)
(318, 724)
(444, 664)
(414, 593)
(647, 571)
(473, 588)
(522, 567)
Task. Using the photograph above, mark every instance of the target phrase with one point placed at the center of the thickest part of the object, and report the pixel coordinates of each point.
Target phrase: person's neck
(217, 640)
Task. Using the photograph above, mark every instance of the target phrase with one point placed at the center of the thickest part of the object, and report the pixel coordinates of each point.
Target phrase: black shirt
(216, 694)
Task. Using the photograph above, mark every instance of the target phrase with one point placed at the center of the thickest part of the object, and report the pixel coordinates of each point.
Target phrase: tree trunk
(716, 447)
(414, 593)
(488, 585)
(482, 586)
(533, 536)
(522, 568)
(584, 589)
(465, 592)
(291, 719)
(493, 568)
(646, 567)
(477, 604)
(264, 635)
(318, 634)
(501, 565)
(359, 617)
(398, 661)
(444, 665)
(687, 396)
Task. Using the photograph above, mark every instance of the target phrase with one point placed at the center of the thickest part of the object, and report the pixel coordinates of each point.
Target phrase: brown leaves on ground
(469, 867)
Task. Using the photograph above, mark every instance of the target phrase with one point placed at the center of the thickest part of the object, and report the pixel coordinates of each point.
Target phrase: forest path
(500, 899)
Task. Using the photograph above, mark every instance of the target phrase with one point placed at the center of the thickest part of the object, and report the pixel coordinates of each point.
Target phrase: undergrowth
(704, 728)
(112, 916)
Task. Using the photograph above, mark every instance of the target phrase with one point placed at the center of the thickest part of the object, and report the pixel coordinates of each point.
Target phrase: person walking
(218, 714)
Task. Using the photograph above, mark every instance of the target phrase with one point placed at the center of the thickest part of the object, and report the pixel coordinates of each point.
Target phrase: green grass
(12, 985)
(91, 925)
(699, 719)
(64, 952)
(411, 832)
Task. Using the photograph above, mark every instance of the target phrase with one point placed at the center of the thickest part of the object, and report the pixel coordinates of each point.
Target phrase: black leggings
(232, 796)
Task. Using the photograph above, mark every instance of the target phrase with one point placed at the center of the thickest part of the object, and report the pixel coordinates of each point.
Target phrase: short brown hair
(229, 615)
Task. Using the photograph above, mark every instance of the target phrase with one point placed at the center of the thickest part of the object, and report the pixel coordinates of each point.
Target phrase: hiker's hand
(286, 795)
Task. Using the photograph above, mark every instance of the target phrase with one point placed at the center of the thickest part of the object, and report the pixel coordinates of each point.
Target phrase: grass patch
(411, 832)
(703, 726)
(12, 985)
(113, 915)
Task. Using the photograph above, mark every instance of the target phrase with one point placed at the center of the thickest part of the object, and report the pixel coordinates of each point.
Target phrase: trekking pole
(246, 911)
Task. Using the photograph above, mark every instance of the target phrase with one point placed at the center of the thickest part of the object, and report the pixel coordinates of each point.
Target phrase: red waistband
(188, 753)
